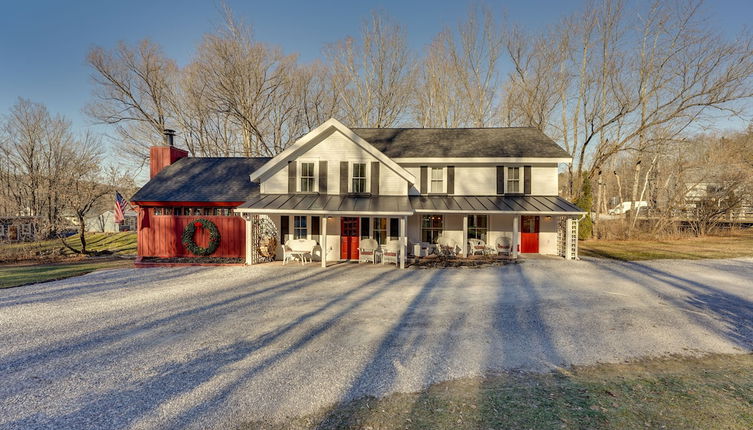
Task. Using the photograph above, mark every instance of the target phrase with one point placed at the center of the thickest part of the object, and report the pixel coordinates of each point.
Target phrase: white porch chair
(503, 245)
(476, 246)
(367, 250)
(447, 246)
(298, 249)
(391, 253)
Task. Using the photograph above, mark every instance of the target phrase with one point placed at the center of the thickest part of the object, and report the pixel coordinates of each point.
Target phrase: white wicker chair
(367, 250)
(391, 253)
(476, 246)
(503, 245)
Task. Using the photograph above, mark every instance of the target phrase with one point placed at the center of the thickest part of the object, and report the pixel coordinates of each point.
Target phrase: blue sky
(43, 44)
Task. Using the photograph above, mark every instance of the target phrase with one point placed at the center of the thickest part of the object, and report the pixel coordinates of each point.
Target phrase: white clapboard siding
(335, 148)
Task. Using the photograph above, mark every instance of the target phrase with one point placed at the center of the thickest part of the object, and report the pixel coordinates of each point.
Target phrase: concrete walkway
(214, 347)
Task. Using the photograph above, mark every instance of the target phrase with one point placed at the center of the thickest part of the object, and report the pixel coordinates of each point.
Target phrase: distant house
(337, 186)
(19, 229)
(105, 222)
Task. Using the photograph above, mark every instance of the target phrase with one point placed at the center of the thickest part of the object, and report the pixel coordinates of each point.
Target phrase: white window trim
(291, 226)
(367, 187)
(299, 171)
(444, 179)
(520, 179)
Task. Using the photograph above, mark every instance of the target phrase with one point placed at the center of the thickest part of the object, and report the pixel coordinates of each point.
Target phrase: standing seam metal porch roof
(404, 205)
(328, 203)
(494, 204)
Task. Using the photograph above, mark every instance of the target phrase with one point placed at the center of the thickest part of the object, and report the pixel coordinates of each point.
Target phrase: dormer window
(359, 178)
(437, 180)
(308, 177)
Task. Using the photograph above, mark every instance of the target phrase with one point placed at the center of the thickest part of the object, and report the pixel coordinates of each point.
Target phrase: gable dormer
(332, 159)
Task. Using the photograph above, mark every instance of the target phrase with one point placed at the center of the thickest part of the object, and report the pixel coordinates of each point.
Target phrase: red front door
(529, 234)
(349, 235)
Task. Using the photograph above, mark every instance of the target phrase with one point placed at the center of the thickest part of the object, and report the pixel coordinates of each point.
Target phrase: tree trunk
(82, 233)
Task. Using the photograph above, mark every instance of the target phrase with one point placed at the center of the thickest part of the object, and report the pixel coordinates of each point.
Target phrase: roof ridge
(443, 128)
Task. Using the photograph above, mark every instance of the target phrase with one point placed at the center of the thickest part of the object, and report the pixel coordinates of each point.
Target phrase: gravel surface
(206, 347)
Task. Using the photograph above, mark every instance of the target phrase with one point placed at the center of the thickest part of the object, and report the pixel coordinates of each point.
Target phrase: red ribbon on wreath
(197, 224)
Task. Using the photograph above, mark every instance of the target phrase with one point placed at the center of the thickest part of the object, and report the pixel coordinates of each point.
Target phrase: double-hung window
(437, 180)
(300, 227)
(359, 178)
(380, 230)
(307, 177)
(431, 228)
(478, 226)
(513, 180)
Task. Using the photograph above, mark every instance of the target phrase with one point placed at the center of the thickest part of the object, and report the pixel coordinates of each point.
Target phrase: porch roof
(537, 205)
(327, 204)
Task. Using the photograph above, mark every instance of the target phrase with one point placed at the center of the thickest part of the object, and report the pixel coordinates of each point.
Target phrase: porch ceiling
(541, 205)
(327, 204)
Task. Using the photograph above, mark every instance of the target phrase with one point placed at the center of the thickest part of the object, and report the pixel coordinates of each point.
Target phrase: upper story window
(308, 177)
(359, 178)
(437, 180)
(513, 180)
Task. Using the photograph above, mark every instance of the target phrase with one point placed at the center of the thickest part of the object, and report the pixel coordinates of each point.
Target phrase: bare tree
(373, 76)
(133, 89)
(459, 81)
(84, 185)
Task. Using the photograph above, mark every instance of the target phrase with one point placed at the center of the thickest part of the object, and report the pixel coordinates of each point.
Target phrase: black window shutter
(394, 228)
(343, 177)
(500, 179)
(450, 180)
(291, 176)
(323, 176)
(526, 179)
(424, 179)
(375, 178)
(315, 226)
(284, 228)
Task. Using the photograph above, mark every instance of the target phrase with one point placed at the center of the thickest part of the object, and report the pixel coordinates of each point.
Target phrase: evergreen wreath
(190, 244)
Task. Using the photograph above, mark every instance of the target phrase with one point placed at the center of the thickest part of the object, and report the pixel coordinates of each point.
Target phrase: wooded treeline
(623, 86)
(48, 172)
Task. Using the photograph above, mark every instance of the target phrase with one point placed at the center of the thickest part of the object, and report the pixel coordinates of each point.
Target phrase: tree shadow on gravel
(371, 291)
(92, 283)
(701, 301)
(142, 331)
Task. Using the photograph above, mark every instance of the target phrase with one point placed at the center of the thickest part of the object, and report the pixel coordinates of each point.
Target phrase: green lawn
(672, 393)
(119, 243)
(739, 244)
(13, 276)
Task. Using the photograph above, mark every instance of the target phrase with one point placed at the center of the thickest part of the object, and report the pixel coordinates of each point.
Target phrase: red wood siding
(160, 235)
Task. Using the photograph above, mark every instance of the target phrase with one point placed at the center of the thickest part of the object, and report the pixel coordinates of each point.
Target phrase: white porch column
(323, 229)
(464, 245)
(403, 241)
(515, 229)
(249, 239)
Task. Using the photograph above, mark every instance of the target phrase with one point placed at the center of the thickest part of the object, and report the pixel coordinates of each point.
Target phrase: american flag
(120, 204)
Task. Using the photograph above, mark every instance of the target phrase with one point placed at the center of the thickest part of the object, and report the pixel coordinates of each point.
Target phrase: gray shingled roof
(462, 142)
(203, 179)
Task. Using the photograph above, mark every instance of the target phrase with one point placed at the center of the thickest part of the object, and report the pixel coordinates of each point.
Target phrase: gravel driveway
(199, 347)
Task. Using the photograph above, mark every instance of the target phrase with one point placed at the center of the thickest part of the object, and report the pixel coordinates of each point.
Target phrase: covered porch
(336, 225)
